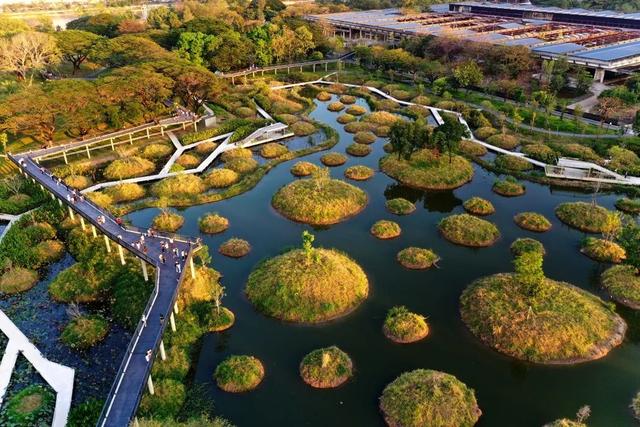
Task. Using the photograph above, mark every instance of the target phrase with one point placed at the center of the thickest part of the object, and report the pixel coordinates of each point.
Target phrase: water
(509, 392)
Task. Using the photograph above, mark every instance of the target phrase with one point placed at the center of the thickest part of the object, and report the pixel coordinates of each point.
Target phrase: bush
(236, 153)
(508, 187)
(541, 152)
(356, 110)
(84, 332)
(302, 128)
(167, 221)
(623, 283)
(526, 244)
(365, 137)
(631, 206)
(382, 131)
(200, 289)
(471, 148)
(157, 151)
(603, 250)
(245, 112)
(508, 142)
(125, 192)
(403, 327)
(468, 230)
(348, 99)
(273, 150)
(345, 118)
(221, 178)
(85, 414)
(220, 320)
(235, 248)
(421, 100)
(579, 151)
(333, 159)
(80, 284)
(129, 167)
(387, 105)
(485, 132)
(355, 127)
(478, 206)
(583, 216)
(384, 229)
(512, 163)
(429, 398)
(226, 127)
(400, 206)
(359, 173)
(188, 161)
(532, 221)
(31, 406)
(175, 366)
(242, 166)
(335, 106)
(178, 185)
(381, 118)
(169, 397)
(237, 374)
(130, 295)
(402, 95)
(358, 150)
(635, 406)
(49, 251)
(212, 223)
(288, 119)
(17, 279)
(205, 147)
(323, 96)
(79, 182)
(417, 258)
(101, 199)
(326, 367)
(303, 168)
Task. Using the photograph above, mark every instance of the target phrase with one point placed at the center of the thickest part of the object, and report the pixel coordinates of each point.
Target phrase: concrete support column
(325, 66)
(64, 154)
(144, 270)
(121, 252)
(150, 386)
(93, 231)
(71, 214)
(86, 147)
(175, 308)
(314, 70)
(82, 223)
(107, 244)
(135, 422)
(148, 136)
(162, 130)
(163, 354)
(59, 201)
(599, 75)
(130, 139)
(172, 321)
(193, 268)
(113, 148)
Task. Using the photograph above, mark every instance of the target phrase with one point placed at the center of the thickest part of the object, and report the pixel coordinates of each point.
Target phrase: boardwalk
(133, 375)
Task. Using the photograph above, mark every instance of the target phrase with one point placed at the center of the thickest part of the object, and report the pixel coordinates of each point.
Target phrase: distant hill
(626, 6)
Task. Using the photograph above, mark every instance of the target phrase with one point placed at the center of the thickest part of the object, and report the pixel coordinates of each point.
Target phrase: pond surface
(510, 393)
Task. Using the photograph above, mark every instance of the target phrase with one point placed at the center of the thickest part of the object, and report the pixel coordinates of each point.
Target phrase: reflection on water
(433, 201)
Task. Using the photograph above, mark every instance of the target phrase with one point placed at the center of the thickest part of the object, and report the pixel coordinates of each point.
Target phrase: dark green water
(510, 393)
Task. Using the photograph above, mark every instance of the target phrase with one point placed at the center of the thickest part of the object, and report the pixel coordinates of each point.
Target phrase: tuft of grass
(579, 151)
(78, 284)
(49, 251)
(485, 132)
(512, 163)
(400, 206)
(359, 173)
(242, 165)
(382, 132)
(169, 397)
(333, 159)
(335, 106)
(468, 230)
(156, 151)
(478, 206)
(179, 185)
(586, 217)
(631, 206)
(381, 118)
(125, 192)
(508, 187)
(213, 223)
(526, 244)
(508, 142)
(238, 374)
(417, 258)
(235, 248)
(101, 199)
(623, 283)
(365, 137)
(326, 367)
(635, 406)
(356, 110)
(31, 406)
(221, 320)
(84, 332)
(385, 229)
(302, 128)
(532, 221)
(471, 148)
(79, 182)
(346, 118)
(323, 96)
(167, 221)
(221, 178)
(129, 167)
(348, 99)
(403, 327)
(17, 279)
(358, 150)
(303, 168)
(355, 127)
(541, 152)
(602, 250)
(236, 153)
(205, 147)
(273, 150)
(188, 161)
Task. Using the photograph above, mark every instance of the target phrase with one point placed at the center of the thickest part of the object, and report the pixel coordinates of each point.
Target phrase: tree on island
(307, 244)
(407, 137)
(629, 239)
(448, 135)
(468, 74)
(529, 273)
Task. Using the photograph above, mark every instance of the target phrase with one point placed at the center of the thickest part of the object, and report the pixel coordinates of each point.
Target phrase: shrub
(355, 127)
(508, 142)
(79, 182)
(348, 99)
(478, 206)
(579, 151)
(526, 244)
(403, 327)
(365, 137)
(212, 223)
(384, 229)
(400, 206)
(428, 398)
(471, 148)
(382, 131)
(156, 151)
(532, 221)
(31, 406)
(417, 258)
(236, 153)
(130, 295)
(359, 150)
(512, 163)
(129, 167)
(235, 248)
(178, 185)
(468, 230)
(356, 110)
(167, 221)
(402, 95)
(345, 118)
(624, 161)
(326, 367)
(323, 96)
(200, 289)
(86, 413)
(387, 105)
(485, 132)
(79, 284)
(245, 112)
(303, 168)
(188, 161)
(337, 88)
(169, 397)
(205, 147)
(623, 283)
(273, 150)
(381, 118)
(101, 199)
(333, 159)
(239, 373)
(220, 320)
(635, 406)
(583, 216)
(603, 250)
(359, 173)
(242, 166)
(335, 106)
(175, 366)
(541, 152)
(17, 279)
(508, 187)
(125, 192)
(631, 206)
(288, 119)
(49, 251)
(303, 128)
(84, 332)
(421, 100)
(221, 178)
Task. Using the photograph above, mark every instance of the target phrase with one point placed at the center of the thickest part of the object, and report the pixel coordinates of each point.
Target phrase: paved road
(131, 379)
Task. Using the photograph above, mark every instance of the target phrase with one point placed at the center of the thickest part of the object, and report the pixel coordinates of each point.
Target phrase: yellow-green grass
(49, 251)
(512, 163)
(356, 110)
(579, 151)
(421, 100)
(623, 284)
(417, 111)
(323, 96)
(417, 258)
(40, 231)
(303, 168)
(348, 99)
(125, 192)
(175, 366)
(221, 178)
(385, 229)
(31, 406)
(198, 289)
(404, 327)
(288, 119)
(563, 324)
(235, 248)
(358, 150)
(430, 398)
(302, 128)
(485, 132)
(167, 221)
(307, 287)
(101, 199)
(221, 319)
(167, 400)
(213, 223)
(541, 152)
(381, 118)
(532, 221)
(428, 170)
(179, 185)
(129, 167)
(273, 150)
(237, 374)
(478, 206)
(382, 131)
(508, 188)
(319, 201)
(84, 332)
(78, 283)
(602, 250)
(387, 105)
(156, 151)
(242, 165)
(236, 153)
(359, 173)
(468, 230)
(333, 159)
(586, 217)
(355, 127)
(19, 199)
(188, 161)
(335, 106)
(346, 118)
(364, 137)
(508, 142)
(205, 147)
(631, 206)
(326, 367)
(402, 95)
(526, 244)
(565, 422)
(79, 182)
(471, 148)
(635, 406)
(17, 279)
(399, 206)
(245, 112)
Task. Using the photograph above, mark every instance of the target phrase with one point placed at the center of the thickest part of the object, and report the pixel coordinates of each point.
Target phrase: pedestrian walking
(161, 320)
(148, 355)
(163, 247)
(162, 259)
(144, 321)
(178, 267)
(183, 254)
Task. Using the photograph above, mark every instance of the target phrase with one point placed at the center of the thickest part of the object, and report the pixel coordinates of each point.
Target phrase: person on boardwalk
(148, 355)
(178, 267)
(162, 259)
(183, 254)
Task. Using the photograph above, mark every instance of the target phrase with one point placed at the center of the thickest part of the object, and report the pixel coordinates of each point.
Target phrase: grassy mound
(125, 192)
(323, 96)
(169, 397)
(623, 283)
(17, 279)
(100, 199)
(512, 163)
(583, 216)
(631, 206)
(428, 398)
(221, 320)
(468, 230)
(541, 152)
(387, 105)
(478, 206)
(300, 288)
(356, 110)
(179, 185)
(200, 289)
(129, 167)
(579, 151)
(335, 106)
(156, 151)
(333, 159)
(427, 170)
(384, 229)
(355, 127)
(417, 258)
(421, 100)
(508, 188)
(508, 142)
(221, 178)
(188, 161)
(235, 248)
(236, 153)
(399, 206)
(471, 148)
(526, 244)
(485, 132)
(348, 99)
(365, 137)
(326, 367)
(382, 131)
(237, 374)
(303, 168)
(346, 118)
(245, 112)
(84, 332)
(358, 150)
(319, 201)
(78, 284)
(635, 406)
(558, 324)
(49, 251)
(288, 119)
(603, 250)
(79, 182)
(31, 406)
(302, 128)
(565, 422)
(167, 221)
(205, 147)
(381, 118)
(359, 173)
(403, 327)
(532, 221)
(273, 150)
(212, 223)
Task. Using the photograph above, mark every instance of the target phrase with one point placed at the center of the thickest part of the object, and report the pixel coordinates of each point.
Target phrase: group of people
(177, 254)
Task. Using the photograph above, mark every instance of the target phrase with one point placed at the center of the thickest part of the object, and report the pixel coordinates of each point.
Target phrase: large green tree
(76, 46)
(449, 134)
(196, 47)
(468, 74)
(406, 137)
